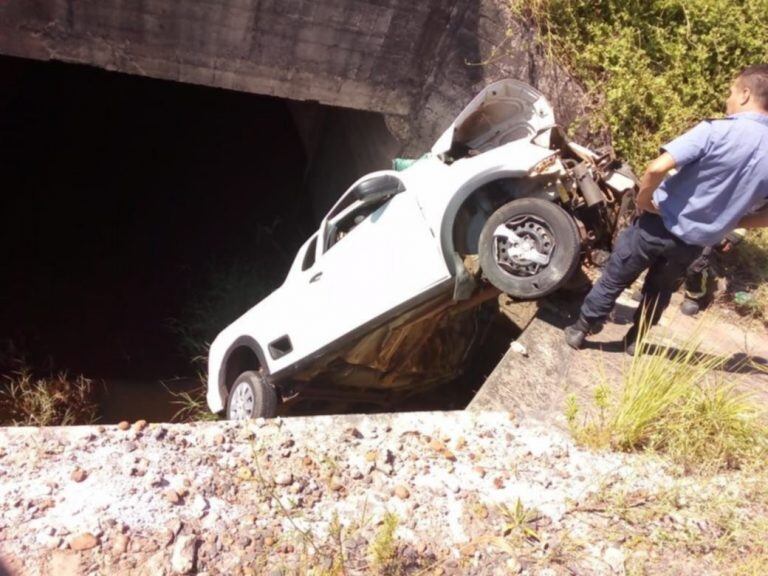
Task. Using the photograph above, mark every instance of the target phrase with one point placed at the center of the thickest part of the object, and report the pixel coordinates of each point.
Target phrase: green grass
(192, 406)
(383, 547)
(54, 400)
(747, 271)
(676, 401)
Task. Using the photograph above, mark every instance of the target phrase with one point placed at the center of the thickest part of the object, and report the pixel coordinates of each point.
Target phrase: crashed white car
(384, 297)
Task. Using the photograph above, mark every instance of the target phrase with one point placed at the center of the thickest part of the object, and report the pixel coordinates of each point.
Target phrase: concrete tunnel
(150, 149)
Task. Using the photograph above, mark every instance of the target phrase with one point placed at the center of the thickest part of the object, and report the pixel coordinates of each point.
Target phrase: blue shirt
(722, 176)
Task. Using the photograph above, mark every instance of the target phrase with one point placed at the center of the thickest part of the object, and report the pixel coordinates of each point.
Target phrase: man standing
(721, 180)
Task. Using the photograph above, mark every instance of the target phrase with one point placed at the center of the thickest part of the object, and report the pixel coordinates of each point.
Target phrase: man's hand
(645, 204)
(653, 176)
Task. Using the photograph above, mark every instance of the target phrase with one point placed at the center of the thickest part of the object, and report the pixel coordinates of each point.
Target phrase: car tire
(550, 229)
(251, 396)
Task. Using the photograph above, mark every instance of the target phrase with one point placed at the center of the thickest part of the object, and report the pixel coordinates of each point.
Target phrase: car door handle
(316, 277)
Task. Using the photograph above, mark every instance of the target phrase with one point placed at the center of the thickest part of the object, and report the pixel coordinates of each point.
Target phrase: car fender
(219, 355)
(441, 190)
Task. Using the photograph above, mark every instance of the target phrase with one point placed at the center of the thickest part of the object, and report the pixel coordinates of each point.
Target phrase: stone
(124, 425)
(614, 557)
(283, 478)
(120, 543)
(64, 564)
(183, 555)
(172, 496)
(139, 425)
(84, 541)
(78, 475)
(514, 566)
(402, 492)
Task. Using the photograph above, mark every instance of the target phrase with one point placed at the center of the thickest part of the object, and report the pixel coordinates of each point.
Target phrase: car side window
(342, 226)
(309, 255)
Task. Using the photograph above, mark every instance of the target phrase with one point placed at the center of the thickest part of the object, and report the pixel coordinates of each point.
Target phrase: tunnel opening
(126, 200)
(141, 216)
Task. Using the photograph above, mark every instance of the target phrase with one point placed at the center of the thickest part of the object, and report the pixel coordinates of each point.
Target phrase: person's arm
(654, 175)
(681, 151)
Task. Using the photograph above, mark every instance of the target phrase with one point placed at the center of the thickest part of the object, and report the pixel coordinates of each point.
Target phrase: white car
(384, 297)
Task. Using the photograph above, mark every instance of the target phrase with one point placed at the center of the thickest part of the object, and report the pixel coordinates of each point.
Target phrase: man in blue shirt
(721, 183)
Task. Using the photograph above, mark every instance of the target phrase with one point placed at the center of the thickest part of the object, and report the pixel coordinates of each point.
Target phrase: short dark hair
(755, 78)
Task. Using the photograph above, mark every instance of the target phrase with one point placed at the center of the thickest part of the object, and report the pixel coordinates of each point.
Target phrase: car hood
(504, 111)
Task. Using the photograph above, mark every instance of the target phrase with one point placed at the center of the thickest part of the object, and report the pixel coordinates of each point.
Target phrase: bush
(58, 400)
(656, 66)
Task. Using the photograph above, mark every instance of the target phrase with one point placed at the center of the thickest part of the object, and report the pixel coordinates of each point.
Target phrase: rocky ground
(419, 493)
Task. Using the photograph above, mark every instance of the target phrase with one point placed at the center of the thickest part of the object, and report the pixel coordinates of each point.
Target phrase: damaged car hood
(503, 112)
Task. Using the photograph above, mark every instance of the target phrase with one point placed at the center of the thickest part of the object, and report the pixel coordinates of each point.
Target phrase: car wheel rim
(241, 407)
(523, 246)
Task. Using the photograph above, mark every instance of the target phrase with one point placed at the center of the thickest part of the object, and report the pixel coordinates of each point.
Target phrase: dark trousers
(698, 278)
(646, 244)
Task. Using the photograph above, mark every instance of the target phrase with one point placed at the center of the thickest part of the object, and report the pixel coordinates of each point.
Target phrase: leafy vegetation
(56, 400)
(675, 401)
(383, 548)
(655, 66)
(748, 271)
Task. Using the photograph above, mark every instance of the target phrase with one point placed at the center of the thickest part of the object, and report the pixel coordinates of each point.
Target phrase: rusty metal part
(588, 186)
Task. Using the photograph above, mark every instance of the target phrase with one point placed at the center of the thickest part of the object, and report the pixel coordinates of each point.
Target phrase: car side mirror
(378, 189)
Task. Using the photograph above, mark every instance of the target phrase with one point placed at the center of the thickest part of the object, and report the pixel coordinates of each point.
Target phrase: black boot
(689, 307)
(577, 332)
(630, 340)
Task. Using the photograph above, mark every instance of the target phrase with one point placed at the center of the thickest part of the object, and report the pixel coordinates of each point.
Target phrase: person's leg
(624, 266)
(664, 277)
(697, 280)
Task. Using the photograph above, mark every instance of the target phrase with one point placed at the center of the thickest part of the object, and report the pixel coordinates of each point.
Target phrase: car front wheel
(251, 396)
(529, 248)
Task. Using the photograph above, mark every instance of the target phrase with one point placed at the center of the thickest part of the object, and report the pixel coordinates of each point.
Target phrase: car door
(377, 257)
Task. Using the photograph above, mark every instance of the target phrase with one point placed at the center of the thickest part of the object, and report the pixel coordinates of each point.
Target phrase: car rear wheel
(529, 248)
(251, 396)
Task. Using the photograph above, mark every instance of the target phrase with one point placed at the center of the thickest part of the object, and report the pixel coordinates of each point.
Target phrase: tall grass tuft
(676, 401)
(56, 400)
(191, 405)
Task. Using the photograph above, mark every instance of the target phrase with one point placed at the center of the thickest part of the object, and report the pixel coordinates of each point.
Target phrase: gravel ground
(416, 493)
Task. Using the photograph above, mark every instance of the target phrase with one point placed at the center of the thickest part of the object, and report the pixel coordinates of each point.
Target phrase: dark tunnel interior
(126, 202)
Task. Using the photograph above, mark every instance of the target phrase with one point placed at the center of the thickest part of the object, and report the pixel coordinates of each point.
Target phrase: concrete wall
(416, 62)
(369, 55)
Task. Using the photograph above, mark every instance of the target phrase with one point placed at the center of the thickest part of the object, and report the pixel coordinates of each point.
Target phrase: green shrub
(383, 547)
(655, 66)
